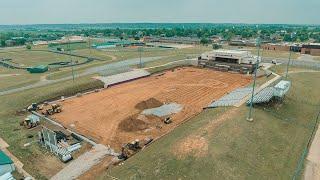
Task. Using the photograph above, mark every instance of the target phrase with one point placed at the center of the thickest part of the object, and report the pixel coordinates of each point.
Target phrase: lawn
(71, 46)
(215, 145)
(26, 58)
(12, 78)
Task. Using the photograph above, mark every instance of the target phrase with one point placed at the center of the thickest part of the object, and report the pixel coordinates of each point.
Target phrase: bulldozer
(30, 122)
(54, 108)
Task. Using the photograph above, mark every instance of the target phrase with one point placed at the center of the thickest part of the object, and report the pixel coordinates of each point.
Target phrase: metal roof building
(6, 164)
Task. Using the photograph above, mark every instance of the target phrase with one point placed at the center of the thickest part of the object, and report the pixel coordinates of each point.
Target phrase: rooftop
(4, 159)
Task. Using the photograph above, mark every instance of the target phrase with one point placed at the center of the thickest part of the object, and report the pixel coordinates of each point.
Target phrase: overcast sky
(108, 11)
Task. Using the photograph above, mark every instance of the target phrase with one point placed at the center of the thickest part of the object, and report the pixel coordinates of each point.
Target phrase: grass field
(12, 78)
(32, 58)
(71, 46)
(216, 145)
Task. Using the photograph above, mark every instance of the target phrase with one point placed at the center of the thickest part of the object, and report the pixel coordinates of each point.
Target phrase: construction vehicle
(167, 120)
(129, 149)
(30, 121)
(33, 107)
(54, 108)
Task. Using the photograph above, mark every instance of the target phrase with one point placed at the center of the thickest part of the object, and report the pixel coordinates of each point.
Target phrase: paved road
(93, 70)
(83, 163)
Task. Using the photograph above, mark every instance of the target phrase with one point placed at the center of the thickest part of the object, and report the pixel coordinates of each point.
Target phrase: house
(6, 164)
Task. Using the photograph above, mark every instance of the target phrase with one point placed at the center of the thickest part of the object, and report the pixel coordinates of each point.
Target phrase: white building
(230, 60)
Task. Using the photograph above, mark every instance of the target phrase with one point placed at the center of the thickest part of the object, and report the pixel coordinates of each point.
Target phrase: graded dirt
(112, 116)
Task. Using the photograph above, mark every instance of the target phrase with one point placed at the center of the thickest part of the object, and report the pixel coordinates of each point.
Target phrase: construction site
(140, 109)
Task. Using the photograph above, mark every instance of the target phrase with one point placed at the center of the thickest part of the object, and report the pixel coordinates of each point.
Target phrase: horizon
(165, 11)
(213, 23)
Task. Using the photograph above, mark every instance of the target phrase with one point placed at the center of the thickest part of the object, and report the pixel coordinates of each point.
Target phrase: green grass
(28, 58)
(268, 148)
(36, 160)
(71, 46)
(10, 82)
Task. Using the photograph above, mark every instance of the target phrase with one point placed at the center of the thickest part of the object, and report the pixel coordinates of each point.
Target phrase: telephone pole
(140, 54)
(69, 52)
(249, 118)
(288, 64)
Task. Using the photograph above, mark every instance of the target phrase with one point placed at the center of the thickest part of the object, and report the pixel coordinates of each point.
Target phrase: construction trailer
(229, 60)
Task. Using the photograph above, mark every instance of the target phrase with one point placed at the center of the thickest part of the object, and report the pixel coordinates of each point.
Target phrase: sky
(180, 11)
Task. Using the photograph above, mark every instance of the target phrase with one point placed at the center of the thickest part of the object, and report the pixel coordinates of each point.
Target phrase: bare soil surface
(112, 116)
(196, 146)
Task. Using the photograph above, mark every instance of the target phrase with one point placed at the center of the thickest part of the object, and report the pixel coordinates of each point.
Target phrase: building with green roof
(6, 164)
(38, 69)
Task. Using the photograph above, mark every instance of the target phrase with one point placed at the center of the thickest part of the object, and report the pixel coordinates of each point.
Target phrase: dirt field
(113, 117)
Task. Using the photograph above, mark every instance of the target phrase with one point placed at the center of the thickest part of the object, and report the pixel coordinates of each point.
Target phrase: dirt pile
(148, 104)
(132, 123)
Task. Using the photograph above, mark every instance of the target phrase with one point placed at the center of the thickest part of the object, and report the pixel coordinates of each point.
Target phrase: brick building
(312, 49)
(276, 47)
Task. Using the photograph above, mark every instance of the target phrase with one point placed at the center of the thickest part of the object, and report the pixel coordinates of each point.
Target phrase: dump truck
(30, 121)
(51, 109)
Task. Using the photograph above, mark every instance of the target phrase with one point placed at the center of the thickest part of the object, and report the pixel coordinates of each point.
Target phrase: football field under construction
(121, 113)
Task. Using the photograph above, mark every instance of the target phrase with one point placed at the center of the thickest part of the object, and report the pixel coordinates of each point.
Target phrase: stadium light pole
(249, 118)
(287, 71)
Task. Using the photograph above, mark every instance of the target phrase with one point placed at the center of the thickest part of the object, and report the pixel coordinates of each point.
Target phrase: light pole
(288, 64)
(249, 118)
(72, 64)
(140, 54)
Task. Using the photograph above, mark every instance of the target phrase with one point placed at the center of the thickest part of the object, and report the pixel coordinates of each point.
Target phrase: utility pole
(288, 64)
(140, 54)
(90, 45)
(72, 64)
(249, 118)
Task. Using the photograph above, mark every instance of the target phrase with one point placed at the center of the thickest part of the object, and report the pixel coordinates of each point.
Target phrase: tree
(204, 41)
(2, 43)
(216, 46)
(28, 46)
